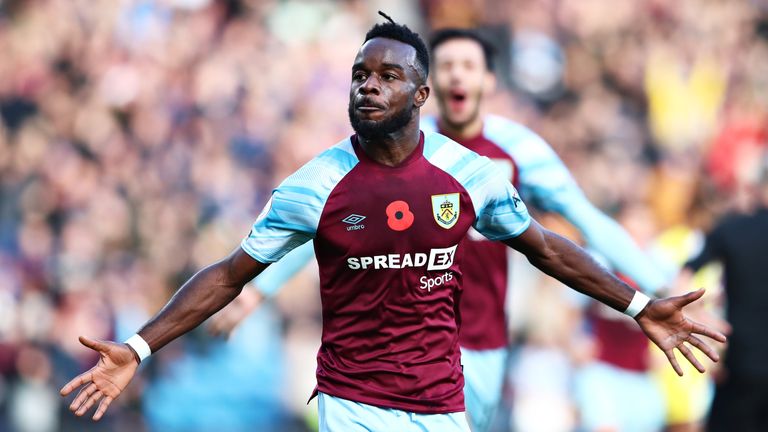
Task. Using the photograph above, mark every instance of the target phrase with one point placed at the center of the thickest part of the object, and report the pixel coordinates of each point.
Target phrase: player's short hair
(444, 35)
(401, 33)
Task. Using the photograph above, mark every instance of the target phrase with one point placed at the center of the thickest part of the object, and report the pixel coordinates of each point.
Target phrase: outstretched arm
(607, 237)
(662, 320)
(565, 261)
(266, 285)
(204, 294)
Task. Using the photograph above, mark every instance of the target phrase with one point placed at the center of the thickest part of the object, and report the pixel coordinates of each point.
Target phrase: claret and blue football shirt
(388, 242)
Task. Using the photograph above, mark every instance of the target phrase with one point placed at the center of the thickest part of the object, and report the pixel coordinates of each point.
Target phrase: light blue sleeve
(503, 214)
(546, 183)
(292, 214)
(499, 212)
(276, 275)
(285, 223)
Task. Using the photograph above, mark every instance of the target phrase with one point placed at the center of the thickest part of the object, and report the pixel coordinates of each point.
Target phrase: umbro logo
(354, 222)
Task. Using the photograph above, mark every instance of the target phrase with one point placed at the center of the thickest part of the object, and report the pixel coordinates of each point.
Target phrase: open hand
(664, 322)
(105, 381)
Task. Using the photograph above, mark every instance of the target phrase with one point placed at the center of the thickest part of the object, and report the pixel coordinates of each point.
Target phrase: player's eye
(359, 76)
(389, 77)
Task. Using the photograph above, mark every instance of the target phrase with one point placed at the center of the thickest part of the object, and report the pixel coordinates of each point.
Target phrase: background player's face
(461, 80)
(386, 88)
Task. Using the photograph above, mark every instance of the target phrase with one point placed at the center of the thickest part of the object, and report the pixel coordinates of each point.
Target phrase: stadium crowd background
(139, 139)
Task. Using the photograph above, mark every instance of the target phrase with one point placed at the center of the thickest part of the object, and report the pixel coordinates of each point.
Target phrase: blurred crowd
(140, 138)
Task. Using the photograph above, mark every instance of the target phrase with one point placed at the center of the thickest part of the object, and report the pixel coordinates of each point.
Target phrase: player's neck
(461, 132)
(395, 147)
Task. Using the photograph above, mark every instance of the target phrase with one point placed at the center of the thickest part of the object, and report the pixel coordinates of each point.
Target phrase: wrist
(637, 305)
(139, 347)
(644, 312)
(135, 354)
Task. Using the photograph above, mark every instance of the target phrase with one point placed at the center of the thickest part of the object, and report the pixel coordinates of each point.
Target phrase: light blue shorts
(610, 397)
(483, 384)
(342, 415)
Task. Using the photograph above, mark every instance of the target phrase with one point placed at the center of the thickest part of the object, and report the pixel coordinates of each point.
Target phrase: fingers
(689, 298)
(82, 396)
(703, 347)
(103, 405)
(89, 403)
(701, 329)
(94, 344)
(670, 353)
(76, 382)
(691, 358)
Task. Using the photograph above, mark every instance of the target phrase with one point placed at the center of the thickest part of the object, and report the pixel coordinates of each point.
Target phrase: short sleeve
(292, 214)
(280, 228)
(503, 213)
(499, 212)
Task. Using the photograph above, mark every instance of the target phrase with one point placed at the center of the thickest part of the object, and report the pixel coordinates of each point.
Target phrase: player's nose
(371, 85)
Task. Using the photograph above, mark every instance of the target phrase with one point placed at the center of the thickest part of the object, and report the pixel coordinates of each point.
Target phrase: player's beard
(379, 129)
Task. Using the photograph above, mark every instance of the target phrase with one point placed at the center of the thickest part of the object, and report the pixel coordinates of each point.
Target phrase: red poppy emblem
(399, 216)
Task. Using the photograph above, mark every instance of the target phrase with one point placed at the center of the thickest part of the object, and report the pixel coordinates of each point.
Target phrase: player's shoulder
(340, 158)
(461, 163)
(516, 139)
(445, 152)
(503, 127)
(437, 144)
(325, 170)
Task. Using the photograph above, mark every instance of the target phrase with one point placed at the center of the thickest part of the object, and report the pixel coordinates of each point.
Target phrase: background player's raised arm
(547, 183)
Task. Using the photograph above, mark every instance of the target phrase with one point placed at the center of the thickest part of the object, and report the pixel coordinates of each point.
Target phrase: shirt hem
(379, 403)
(517, 233)
(483, 347)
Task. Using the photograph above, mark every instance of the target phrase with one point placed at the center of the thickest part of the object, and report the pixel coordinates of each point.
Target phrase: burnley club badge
(445, 208)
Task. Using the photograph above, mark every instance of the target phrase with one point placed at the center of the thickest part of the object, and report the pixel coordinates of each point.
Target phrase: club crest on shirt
(445, 209)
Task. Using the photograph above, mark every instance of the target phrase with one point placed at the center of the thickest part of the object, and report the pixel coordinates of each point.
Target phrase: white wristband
(637, 304)
(140, 346)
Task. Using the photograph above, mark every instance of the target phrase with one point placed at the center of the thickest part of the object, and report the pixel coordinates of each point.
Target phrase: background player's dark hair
(401, 33)
(446, 34)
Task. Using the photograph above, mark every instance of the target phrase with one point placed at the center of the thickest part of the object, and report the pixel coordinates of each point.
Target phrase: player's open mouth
(458, 96)
(456, 100)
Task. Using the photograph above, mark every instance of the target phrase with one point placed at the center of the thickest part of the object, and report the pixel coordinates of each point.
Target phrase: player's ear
(422, 94)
